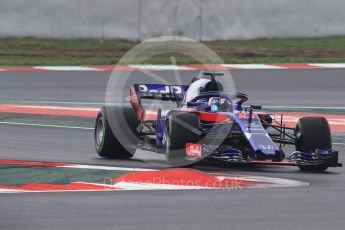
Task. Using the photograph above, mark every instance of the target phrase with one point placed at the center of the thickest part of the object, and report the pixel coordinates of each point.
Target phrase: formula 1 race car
(210, 124)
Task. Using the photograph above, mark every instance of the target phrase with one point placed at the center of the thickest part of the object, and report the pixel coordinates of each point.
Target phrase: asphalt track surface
(318, 206)
(293, 87)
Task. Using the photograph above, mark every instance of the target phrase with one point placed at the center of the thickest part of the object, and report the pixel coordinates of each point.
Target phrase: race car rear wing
(155, 92)
(160, 92)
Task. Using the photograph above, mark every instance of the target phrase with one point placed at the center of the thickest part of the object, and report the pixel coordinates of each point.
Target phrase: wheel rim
(99, 131)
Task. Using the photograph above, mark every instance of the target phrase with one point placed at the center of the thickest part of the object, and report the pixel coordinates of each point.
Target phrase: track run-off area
(46, 144)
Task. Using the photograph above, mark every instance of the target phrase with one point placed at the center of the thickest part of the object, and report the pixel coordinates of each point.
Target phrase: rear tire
(312, 133)
(182, 128)
(107, 144)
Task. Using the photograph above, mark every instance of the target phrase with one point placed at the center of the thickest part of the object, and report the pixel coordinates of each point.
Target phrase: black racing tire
(313, 168)
(182, 128)
(107, 144)
(312, 133)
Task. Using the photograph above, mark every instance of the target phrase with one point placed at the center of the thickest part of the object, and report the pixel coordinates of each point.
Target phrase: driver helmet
(196, 88)
(200, 86)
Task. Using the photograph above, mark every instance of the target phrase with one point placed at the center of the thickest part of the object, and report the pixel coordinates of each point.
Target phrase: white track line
(57, 103)
(329, 65)
(252, 66)
(10, 191)
(337, 143)
(276, 182)
(108, 168)
(58, 107)
(46, 125)
(303, 107)
(147, 186)
(161, 67)
(66, 68)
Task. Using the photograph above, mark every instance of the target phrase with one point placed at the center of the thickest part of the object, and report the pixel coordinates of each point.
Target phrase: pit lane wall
(197, 19)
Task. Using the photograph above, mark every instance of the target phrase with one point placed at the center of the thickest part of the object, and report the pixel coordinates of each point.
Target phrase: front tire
(182, 128)
(109, 145)
(312, 133)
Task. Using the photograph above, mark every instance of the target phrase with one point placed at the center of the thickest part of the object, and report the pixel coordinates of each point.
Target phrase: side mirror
(256, 106)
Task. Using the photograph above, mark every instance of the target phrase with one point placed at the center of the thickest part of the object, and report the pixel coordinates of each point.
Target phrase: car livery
(206, 124)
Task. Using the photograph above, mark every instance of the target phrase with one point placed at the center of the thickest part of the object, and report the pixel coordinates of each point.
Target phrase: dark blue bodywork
(247, 139)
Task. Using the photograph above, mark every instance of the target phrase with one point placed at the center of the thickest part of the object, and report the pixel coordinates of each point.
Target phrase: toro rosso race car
(207, 123)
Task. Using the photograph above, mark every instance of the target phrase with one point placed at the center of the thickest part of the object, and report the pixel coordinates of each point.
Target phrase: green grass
(30, 51)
